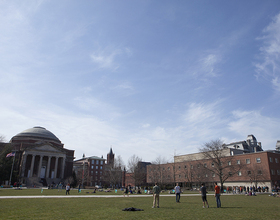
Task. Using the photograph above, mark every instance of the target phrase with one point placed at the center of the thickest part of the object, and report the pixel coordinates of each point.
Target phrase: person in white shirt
(177, 192)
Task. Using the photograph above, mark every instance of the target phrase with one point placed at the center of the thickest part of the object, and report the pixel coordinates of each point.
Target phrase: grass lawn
(233, 207)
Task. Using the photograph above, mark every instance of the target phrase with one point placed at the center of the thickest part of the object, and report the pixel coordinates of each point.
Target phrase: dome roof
(38, 133)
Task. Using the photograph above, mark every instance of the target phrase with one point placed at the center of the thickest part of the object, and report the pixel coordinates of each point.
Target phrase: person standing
(156, 192)
(217, 195)
(203, 192)
(177, 192)
(68, 189)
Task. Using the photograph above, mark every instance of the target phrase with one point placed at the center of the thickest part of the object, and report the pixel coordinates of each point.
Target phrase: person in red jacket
(217, 195)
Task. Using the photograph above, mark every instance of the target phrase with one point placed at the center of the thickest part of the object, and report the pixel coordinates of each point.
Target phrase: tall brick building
(244, 164)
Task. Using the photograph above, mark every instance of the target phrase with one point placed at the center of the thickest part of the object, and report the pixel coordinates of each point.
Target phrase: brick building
(246, 165)
(89, 170)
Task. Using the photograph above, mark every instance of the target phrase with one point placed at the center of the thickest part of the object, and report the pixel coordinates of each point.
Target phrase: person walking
(156, 192)
(178, 192)
(217, 195)
(68, 189)
(203, 192)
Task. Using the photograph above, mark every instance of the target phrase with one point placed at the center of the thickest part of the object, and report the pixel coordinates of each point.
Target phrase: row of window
(271, 160)
(96, 167)
(259, 172)
(96, 172)
(97, 162)
(248, 161)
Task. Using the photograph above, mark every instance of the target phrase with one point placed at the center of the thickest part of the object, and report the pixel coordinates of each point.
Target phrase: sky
(148, 78)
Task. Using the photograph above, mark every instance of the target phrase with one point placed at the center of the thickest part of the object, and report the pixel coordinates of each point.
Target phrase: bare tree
(138, 172)
(256, 174)
(221, 163)
(113, 175)
(2, 139)
(160, 173)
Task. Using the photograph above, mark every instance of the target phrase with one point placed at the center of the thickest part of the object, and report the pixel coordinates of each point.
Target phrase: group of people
(203, 191)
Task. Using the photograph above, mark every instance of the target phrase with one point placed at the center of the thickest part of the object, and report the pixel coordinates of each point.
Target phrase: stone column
(62, 168)
(55, 167)
(40, 166)
(48, 166)
(24, 156)
(32, 165)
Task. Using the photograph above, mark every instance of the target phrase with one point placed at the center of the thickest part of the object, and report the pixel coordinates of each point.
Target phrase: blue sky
(150, 78)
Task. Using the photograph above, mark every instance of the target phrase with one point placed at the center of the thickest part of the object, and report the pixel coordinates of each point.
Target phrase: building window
(248, 161)
(96, 167)
(259, 172)
(179, 176)
(179, 167)
(91, 172)
(100, 167)
(92, 162)
(249, 172)
(185, 175)
(230, 173)
(206, 175)
(278, 172)
(96, 172)
(163, 168)
(270, 159)
(238, 162)
(97, 161)
(205, 165)
(101, 162)
(239, 173)
(198, 165)
(213, 174)
(229, 163)
(91, 167)
(212, 164)
(100, 172)
(258, 160)
(276, 160)
(185, 167)
(191, 166)
(272, 172)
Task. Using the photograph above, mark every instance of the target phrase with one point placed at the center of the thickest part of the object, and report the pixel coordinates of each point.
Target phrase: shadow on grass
(226, 207)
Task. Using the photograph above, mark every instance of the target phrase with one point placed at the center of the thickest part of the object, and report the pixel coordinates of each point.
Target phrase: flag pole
(12, 169)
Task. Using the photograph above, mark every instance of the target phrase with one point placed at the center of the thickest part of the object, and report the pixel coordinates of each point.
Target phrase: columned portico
(43, 165)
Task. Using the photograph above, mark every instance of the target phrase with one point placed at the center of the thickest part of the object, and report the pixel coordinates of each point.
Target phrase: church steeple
(110, 157)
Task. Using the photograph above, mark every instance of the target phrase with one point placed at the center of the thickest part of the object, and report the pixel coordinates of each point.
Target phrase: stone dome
(37, 133)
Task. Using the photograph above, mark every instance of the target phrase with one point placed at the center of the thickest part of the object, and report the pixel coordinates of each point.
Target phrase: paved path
(89, 196)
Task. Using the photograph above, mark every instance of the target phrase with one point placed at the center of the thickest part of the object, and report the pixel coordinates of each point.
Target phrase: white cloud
(107, 58)
(269, 67)
(264, 128)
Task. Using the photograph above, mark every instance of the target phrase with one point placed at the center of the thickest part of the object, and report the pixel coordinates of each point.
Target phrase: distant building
(139, 177)
(90, 170)
(249, 146)
(255, 167)
(41, 157)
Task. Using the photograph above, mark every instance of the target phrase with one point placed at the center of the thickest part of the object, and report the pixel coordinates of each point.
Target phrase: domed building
(41, 157)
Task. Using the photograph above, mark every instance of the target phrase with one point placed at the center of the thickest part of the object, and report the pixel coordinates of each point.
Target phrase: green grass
(233, 207)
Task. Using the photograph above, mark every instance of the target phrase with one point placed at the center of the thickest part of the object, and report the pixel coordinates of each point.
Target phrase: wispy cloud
(107, 58)
(253, 122)
(269, 67)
